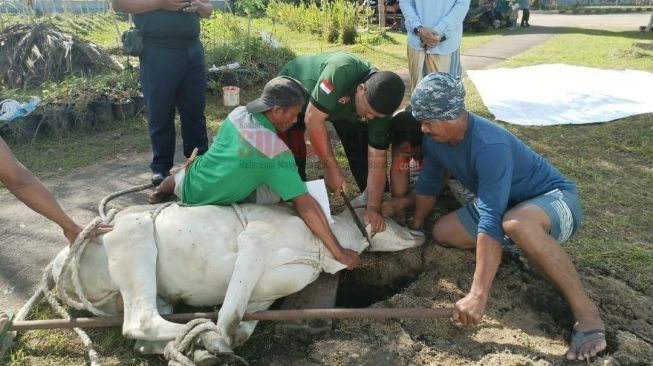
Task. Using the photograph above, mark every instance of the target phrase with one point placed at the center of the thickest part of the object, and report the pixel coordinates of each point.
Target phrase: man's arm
(471, 308)
(411, 19)
(376, 178)
(315, 124)
(27, 188)
(143, 6)
(494, 167)
(428, 185)
(423, 205)
(310, 211)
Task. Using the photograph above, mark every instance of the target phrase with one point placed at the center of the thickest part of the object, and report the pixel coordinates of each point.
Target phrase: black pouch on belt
(132, 42)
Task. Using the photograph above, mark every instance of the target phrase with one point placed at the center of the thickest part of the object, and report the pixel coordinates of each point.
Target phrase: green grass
(595, 48)
(61, 152)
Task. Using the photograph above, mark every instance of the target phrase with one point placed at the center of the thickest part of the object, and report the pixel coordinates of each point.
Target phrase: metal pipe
(272, 315)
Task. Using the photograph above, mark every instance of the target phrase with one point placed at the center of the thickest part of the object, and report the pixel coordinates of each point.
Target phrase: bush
(227, 40)
(335, 21)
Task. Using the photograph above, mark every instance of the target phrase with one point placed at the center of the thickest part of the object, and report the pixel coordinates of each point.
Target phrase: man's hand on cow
(470, 309)
(349, 258)
(72, 233)
(413, 224)
(373, 216)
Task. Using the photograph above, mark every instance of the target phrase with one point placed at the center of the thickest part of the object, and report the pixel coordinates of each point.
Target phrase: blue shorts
(562, 207)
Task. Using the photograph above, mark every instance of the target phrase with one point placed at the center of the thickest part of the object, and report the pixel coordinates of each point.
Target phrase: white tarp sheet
(544, 95)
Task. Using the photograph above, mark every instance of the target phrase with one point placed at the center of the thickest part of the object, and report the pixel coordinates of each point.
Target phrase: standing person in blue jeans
(522, 200)
(172, 76)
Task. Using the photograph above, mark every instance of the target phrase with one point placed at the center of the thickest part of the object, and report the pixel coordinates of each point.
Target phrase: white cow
(208, 255)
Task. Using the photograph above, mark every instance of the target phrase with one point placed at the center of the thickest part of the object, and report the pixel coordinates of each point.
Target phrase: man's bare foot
(160, 197)
(587, 340)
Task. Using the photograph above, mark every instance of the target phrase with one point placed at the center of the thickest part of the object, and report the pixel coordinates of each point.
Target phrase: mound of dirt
(527, 321)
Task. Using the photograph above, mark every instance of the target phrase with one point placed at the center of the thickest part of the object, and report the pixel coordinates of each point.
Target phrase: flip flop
(7, 326)
(580, 338)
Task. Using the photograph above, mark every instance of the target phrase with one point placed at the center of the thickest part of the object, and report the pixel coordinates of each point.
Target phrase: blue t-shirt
(494, 164)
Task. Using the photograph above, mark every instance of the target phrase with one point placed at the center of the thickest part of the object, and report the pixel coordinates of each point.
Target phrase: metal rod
(273, 315)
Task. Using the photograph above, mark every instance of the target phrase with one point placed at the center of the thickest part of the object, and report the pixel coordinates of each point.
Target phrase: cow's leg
(132, 256)
(272, 284)
(253, 256)
(154, 347)
(246, 328)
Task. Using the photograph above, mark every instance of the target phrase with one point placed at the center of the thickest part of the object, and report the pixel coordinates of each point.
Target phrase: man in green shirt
(248, 162)
(359, 101)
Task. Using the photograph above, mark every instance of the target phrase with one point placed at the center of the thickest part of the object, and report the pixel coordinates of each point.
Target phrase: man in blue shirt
(521, 200)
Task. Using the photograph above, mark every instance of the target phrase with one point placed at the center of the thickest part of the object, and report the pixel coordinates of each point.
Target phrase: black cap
(384, 91)
(282, 91)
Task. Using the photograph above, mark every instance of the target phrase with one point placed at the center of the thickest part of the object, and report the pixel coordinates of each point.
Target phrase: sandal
(580, 338)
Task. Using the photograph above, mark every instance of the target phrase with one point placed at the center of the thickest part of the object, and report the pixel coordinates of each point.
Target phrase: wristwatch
(416, 29)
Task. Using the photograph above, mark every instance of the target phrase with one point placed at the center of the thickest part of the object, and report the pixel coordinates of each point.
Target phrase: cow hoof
(215, 344)
(204, 358)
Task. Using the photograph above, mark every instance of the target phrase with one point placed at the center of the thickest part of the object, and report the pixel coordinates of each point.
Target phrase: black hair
(406, 128)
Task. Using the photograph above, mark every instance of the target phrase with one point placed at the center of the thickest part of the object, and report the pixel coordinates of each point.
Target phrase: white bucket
(231, 96)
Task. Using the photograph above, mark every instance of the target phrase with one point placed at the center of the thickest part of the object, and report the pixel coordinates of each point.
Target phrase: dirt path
(527, 322)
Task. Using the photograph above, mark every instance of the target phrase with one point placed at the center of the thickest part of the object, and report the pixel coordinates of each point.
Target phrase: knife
(358, 222)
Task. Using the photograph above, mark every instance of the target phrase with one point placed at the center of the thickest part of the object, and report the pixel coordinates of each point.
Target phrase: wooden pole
(271, 315)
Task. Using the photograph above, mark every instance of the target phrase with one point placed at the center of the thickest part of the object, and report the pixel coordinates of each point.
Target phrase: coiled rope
(185, 341)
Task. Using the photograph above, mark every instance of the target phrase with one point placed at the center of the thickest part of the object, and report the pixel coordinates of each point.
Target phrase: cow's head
(395, 237)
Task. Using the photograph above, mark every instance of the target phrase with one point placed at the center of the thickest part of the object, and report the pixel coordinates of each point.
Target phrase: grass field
(611, 163)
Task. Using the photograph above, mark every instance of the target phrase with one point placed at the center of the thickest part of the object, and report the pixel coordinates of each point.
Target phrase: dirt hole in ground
(380, 277)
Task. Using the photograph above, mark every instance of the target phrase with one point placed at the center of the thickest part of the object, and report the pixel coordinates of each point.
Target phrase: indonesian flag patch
(326, 86)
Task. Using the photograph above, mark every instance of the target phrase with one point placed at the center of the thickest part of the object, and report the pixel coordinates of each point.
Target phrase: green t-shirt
(168, 29)
(331, 79)
(246, 154)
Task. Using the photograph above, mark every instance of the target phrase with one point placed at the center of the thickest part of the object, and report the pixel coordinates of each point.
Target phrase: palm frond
(33, 54)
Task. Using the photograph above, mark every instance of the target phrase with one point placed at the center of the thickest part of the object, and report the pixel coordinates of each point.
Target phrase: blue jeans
(174, 78)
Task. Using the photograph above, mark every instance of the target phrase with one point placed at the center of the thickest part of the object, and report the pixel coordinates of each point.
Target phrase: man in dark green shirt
(359, 101)
(172, 74)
